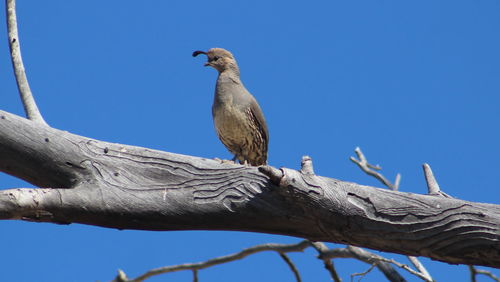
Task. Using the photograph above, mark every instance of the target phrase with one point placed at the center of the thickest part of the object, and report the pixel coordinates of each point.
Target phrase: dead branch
(365, 166)
(365, 256)
(292, 266)
(127, 187)
(371, 170)
(27, 99)
(328, 263)
(279, 248)
(362, 274)
(474, 272)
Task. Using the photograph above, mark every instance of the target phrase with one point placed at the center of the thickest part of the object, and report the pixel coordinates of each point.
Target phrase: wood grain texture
(125, 187)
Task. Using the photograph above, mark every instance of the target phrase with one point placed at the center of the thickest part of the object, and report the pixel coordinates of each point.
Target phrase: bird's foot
(225, 161)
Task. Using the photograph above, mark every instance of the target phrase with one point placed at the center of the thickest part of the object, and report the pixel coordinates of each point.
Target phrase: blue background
(408, 82)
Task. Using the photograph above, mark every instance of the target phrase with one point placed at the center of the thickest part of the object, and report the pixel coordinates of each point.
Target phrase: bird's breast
(229, 118)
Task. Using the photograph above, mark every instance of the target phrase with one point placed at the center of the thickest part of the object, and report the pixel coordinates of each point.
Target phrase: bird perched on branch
(238, 119)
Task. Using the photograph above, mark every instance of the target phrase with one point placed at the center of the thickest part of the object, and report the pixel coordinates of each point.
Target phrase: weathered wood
(126, 187)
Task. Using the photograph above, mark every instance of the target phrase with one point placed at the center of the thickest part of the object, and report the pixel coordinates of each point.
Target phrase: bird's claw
(225, 161)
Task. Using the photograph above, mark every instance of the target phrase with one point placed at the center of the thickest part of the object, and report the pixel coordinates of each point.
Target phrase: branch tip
(30, 107)
(306, 165)
(273, 173)
(432, 185)
(121, 277)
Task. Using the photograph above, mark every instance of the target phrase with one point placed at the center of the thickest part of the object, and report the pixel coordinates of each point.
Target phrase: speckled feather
(238, 118)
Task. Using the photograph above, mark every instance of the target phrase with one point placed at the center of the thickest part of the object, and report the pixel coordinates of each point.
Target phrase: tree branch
(365, 256)
(29, 104)
(433, 189)
(371, 258)
(371, 170)
(420, 268)
(362, 274)
(279, 248)
(127, 187)
(365, 166)
(195, 275)
(407, 268)
(327, 262)
(432, 185)
(474, 272)
(292, 266)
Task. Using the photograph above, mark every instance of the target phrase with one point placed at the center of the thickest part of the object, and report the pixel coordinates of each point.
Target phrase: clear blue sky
(408, 82)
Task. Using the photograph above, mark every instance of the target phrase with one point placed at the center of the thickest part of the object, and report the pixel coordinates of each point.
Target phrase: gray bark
(125, 187)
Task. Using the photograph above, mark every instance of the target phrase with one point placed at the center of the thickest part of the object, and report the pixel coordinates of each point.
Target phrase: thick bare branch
(365, 166)
(127, 187)
(29, 104)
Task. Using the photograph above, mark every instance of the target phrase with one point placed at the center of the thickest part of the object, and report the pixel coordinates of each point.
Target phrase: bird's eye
(216, 58)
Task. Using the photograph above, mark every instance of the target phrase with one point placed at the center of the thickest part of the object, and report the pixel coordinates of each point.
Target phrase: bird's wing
(260, 120)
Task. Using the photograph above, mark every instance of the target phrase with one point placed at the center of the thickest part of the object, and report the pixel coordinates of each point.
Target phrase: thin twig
(474, 272)
(292, 266)
(327, 262)
(280, 248)
(396, 182)
(195, 275)
(331, 268)
(420, 267)
(367, 257)
(27, 99)
(362, 274)
(370, 169)
(407, 268)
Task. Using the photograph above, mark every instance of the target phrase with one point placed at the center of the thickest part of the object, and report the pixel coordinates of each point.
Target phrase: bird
(238, 118)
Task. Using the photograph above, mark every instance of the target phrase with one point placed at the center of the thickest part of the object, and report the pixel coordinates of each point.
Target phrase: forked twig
(327, 262)
(370, 169)
(474, 272)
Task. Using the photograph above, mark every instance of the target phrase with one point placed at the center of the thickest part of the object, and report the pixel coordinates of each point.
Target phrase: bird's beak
(196, 53)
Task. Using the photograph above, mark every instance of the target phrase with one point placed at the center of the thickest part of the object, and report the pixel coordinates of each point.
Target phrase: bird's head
(219, 59)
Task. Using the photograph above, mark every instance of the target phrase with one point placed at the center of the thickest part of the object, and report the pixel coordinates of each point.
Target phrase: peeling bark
(125, 187)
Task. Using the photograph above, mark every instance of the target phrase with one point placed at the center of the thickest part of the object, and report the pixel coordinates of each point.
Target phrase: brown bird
(238, 119)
